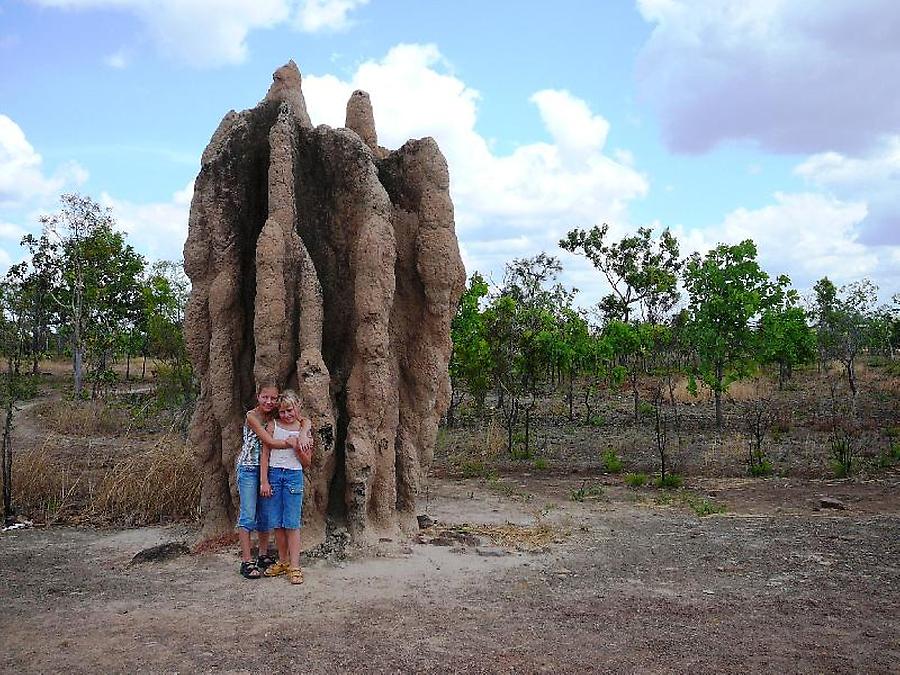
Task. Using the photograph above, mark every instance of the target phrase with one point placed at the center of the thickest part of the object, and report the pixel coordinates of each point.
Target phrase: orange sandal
(277, 569)
(296, 575)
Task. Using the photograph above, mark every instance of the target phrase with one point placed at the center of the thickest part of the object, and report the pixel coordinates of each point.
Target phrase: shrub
(762, 467)
(635, 479)
(841, 456)
(541, 464)
(586, 492)
(702, 506)
(671, 481)
(598, 421)
(611, 462)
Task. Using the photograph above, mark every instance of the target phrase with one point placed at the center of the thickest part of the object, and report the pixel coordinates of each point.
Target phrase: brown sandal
(296, 575)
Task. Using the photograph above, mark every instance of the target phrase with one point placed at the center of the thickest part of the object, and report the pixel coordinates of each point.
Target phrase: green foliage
(598, 421)
(727, 290)
(842, 456)
(475, 468)
(702, 506)
(87, 272)
(635, 479)
(540, 464)
(760, 466)
(848, 322)
(642, 272)
(611, 461)
(785, 338)
(470, 361)
(587, 493)
(671, 481)
(646, 409)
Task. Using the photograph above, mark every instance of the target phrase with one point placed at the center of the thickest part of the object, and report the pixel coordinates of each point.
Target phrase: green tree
(97, 291)
(470, 360)
(641, 271)
(727, 291)
(846, 322)
(785, 338)
(15, 308)
(165, 291)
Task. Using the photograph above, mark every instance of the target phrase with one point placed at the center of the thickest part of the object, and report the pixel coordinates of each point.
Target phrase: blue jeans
(248, 489)
(285, 507)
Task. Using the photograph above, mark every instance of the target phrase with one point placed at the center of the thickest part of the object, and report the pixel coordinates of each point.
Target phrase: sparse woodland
(704, 365)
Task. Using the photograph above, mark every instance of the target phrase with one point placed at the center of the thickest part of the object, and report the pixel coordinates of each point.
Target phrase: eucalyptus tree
(727, 292)
(785, 337)
(470, 360)
(96, 273)
(641, 271)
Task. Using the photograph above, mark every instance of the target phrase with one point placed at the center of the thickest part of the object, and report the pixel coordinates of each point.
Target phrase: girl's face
(267, 399)
(287, 413)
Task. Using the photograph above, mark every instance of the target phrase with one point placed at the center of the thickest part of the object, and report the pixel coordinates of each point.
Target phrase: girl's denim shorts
(284, 508)
(248, 489)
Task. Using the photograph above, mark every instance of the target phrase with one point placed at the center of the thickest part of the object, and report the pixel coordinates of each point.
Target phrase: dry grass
(81, 418)
(161, 484)
(528, 538)
(63, 367)
(740, 391)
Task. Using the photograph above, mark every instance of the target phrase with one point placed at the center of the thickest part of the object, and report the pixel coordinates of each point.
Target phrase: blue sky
(777, 120)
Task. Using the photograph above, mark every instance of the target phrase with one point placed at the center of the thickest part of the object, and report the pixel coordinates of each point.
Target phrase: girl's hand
(265, 490)
(294, 442)
(305, 457)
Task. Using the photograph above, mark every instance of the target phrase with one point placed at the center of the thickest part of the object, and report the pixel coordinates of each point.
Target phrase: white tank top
(284, 458)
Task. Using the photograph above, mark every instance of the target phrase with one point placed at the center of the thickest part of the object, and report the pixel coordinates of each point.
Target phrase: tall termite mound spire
(331, 264)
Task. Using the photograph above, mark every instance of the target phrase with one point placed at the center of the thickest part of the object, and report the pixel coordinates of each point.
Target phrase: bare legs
(244, 538)
(288, 542)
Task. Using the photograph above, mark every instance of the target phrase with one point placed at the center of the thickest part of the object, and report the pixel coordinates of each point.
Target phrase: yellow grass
(740, 391)
(160, 484)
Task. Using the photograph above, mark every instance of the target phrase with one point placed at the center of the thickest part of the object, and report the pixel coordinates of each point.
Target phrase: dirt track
(774, 585)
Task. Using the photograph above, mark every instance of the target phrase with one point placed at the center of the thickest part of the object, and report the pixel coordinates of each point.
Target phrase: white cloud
(874, 177)
(157, 230)
(315, 15)
(118, 61)
(510, 205)
(804, 235)
(794, 75)
(208, 33)
(22, 176)
(12, 232)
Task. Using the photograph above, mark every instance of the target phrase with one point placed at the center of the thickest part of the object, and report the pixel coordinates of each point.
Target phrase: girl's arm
(264, 436)
(265, 490)
(304, 451)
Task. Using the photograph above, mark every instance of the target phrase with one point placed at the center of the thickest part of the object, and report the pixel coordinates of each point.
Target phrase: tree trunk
(8, 513)
(636, 396)
(718, 394)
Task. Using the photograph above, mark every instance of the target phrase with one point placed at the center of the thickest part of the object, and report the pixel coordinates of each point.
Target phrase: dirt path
(624, 586)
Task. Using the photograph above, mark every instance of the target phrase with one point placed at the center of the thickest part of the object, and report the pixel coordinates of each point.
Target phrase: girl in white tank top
(281, 485)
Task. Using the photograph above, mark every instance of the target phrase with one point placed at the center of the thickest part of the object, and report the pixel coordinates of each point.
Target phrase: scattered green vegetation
(540, 464)
(761, 467)
(497, 484)
(702, 506)
(611, 461)
(841, 456)
(671, 481)
(587, 492)
(635, 479)
(475, 468)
